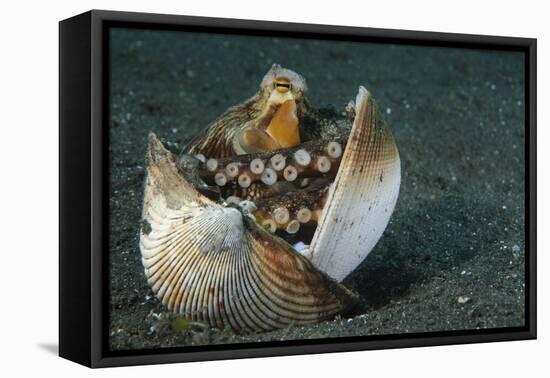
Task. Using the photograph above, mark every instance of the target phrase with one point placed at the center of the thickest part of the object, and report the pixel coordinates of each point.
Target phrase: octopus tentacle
(308, 160)
(290, 210)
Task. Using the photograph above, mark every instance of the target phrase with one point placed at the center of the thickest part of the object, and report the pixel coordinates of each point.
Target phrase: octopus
(257, 223)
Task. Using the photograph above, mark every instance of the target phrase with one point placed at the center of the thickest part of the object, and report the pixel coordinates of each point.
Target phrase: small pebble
(299, 246)
(189, 73)
(463, 299)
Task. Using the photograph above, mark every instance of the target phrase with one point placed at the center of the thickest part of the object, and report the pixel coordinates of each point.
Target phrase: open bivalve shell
(363, 196)
(214, 262)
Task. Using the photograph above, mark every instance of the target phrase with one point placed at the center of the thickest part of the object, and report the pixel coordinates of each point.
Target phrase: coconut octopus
(257, 222)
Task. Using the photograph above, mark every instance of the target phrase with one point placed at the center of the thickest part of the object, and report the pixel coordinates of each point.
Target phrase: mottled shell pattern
(268, 210)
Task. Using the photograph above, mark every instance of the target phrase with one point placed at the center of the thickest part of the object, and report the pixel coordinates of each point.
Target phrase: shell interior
(362, 197)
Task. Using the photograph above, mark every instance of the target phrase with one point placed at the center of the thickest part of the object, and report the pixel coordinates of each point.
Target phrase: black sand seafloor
(452, 257)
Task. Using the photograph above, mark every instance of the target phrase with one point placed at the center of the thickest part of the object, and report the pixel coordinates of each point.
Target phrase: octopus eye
(282, 86)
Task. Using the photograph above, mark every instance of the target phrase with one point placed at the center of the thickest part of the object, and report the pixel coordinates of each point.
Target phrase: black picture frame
(83, 196)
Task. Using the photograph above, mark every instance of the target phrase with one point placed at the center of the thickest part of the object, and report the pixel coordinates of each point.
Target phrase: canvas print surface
(267, 189)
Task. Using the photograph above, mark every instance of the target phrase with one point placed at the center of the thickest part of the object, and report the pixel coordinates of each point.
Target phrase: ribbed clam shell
(213, 264)
(362, 197)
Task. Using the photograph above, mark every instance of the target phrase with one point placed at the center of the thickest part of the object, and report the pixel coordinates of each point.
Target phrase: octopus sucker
(269, 173)
(270, 225)
(334, 149)
(277, 162)
(303, 215)
(281, 215)
(244, 180)
(323, 164)
(268, 176)
(290, 173)
(257, 166)
(232, 170)
(292, 227)
(220, 179)
(302, 157)
(211, 165)
(200, 157)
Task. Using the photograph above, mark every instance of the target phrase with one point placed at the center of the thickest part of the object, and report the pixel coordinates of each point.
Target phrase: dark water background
(452, 257)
